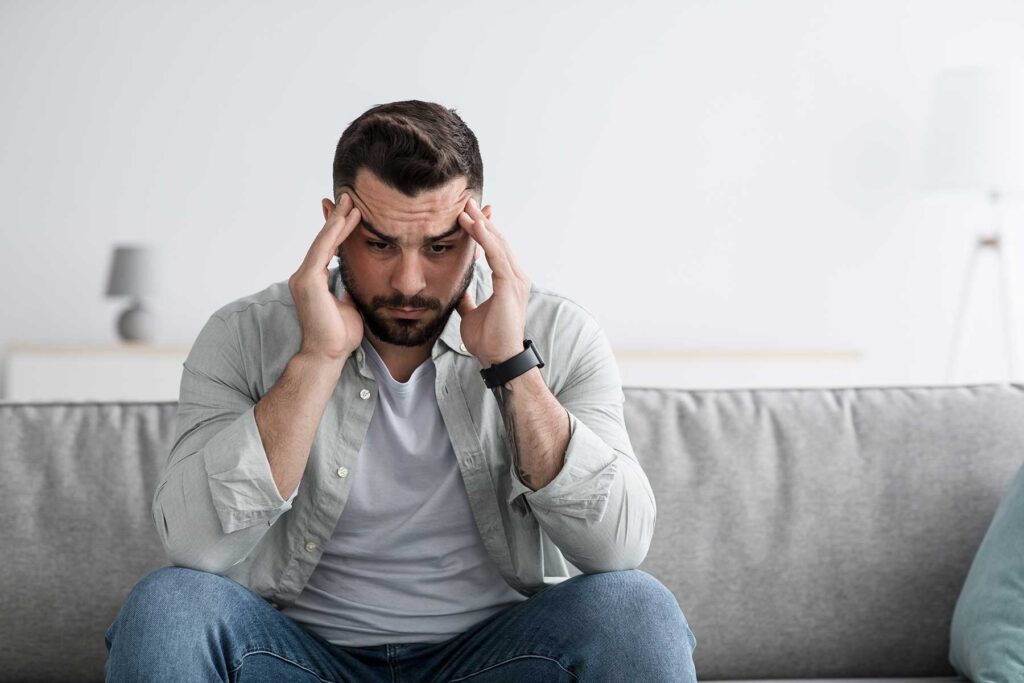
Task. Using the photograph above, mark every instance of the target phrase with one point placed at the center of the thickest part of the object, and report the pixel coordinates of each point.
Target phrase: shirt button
(342, 472)
(359, 355)
(462, 347)
(310, 546)
(364, 394)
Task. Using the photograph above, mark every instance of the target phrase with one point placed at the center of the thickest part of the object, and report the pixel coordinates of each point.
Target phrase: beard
(402, 331)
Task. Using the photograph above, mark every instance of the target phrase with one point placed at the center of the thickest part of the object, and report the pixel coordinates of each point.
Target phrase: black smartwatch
(496, 375)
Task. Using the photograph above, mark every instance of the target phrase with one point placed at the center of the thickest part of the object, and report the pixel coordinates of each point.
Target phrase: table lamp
(132, 274)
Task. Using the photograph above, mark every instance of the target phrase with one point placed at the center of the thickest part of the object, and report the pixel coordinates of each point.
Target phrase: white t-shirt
(405, 563)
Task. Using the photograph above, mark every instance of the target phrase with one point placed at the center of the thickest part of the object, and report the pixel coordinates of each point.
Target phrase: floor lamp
(976, 146)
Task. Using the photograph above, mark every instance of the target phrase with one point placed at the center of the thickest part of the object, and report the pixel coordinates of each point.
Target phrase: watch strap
(522, 362)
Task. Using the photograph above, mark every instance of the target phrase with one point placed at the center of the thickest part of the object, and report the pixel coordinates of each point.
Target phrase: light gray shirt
(217, 508)
(406, 563)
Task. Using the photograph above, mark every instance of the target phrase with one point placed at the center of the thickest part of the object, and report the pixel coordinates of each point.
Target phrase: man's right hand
(332, 328)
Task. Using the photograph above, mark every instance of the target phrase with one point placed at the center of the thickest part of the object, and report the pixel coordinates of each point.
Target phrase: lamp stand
(996, 242)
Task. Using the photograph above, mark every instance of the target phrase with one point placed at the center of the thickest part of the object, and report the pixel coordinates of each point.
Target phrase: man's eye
(436, 249)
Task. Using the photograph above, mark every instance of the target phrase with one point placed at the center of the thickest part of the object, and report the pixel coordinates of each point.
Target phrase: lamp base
(136, 323)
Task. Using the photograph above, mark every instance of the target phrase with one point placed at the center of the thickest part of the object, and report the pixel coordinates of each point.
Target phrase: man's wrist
(529, 379)
(319, 361)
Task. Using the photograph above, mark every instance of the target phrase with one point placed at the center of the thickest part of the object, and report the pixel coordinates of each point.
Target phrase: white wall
(738, 174)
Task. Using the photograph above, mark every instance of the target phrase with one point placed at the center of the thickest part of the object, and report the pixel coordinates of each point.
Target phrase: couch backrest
(805, 532)
(77, 531)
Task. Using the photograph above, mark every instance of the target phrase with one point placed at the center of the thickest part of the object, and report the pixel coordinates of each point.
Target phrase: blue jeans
(180, 624)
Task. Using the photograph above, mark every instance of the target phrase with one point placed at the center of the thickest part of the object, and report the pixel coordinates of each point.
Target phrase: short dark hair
(411, 146)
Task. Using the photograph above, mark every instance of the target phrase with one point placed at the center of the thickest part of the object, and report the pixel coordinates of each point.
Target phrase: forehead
(431, 212)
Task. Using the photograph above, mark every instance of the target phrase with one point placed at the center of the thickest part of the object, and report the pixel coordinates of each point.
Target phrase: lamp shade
(132, 272)
(975, 134)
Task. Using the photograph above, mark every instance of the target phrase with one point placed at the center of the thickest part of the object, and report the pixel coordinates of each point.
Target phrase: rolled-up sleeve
(217, 497)
(599, 509)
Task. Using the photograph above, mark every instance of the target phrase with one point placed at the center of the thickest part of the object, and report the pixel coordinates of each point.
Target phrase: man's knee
(177, 624)
(178, 600)
(635, 602)
(625, 625)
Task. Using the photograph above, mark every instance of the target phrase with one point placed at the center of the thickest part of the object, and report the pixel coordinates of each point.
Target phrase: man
(380, 470)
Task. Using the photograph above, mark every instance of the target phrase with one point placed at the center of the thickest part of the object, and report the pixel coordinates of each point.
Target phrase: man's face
(406, 253)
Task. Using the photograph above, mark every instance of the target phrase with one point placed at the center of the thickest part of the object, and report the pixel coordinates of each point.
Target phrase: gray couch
(807, 533)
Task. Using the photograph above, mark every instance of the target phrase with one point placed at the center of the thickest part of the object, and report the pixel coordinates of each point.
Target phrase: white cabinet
(131, 372)
(100, 372)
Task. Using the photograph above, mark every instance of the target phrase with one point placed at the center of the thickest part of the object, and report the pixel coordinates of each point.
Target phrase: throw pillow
(987, 633)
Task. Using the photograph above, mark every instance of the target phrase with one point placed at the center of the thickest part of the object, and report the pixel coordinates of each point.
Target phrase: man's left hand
(493, 331)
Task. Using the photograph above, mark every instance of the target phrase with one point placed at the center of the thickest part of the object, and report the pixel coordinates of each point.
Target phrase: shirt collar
(481, 287)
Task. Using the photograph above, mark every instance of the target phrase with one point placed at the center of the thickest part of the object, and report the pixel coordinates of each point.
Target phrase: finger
(474, 211)
(339, 226)
(477, 214)
(335, 221)
(494, 250)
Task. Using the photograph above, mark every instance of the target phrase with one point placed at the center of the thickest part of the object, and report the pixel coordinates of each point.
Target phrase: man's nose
(408, 274)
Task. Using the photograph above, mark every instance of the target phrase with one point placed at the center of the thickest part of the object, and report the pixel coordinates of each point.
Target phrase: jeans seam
(285, 659)
(391, 665)
(512, 659)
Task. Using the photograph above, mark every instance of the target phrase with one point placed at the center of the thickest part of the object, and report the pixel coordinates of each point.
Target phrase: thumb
(466, 304)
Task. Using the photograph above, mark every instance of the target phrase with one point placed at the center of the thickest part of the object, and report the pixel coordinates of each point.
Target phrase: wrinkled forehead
(429, 213)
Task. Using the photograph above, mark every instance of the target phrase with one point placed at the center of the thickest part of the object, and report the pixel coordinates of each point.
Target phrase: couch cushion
(987, 637)
(823, 532)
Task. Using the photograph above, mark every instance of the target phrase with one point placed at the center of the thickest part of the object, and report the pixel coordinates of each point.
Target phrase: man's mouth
(407, 312)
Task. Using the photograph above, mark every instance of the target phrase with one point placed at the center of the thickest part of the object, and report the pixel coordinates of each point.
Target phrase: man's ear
(328, 206)
(487, 211)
